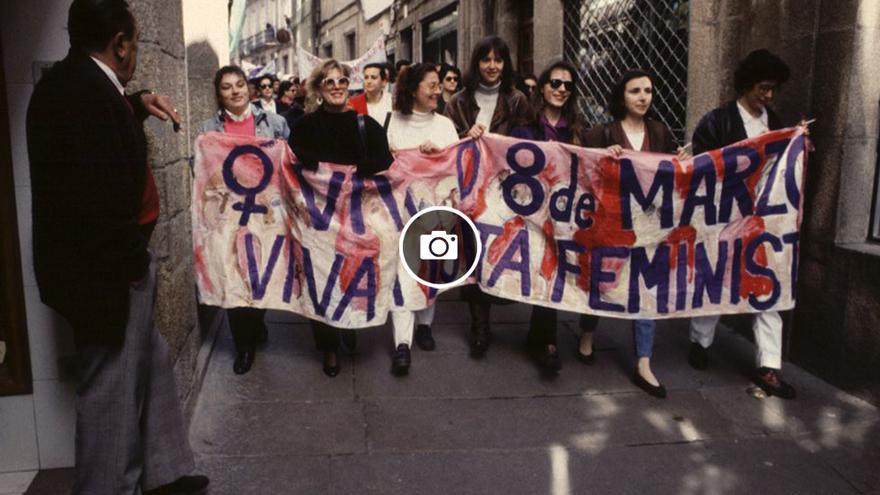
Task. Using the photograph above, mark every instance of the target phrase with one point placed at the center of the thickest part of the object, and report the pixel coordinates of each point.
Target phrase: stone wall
(162, 68)
(832, 49)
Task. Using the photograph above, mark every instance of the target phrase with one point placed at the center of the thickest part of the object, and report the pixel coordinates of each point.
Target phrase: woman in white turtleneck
(488, 102)
(415, 125)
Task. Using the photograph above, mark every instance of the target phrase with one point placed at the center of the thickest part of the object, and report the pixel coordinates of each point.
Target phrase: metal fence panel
(605, 38)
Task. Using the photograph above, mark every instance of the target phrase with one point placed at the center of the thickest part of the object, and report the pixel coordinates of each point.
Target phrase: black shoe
(400, 360)
(331, 364)
(349, 339)
(547, 358)
(185, 485)
(243, 361)
(263, 334)
(769, 381)
(589, 359)
(424, 339)
(480, 342)
(658, 391)
(698, 357)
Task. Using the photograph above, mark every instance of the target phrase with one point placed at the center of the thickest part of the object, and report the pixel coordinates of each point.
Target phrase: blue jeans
(643, 335)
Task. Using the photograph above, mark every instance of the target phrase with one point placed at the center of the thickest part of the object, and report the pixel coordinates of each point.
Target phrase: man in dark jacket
(94, 207)
(755, 80)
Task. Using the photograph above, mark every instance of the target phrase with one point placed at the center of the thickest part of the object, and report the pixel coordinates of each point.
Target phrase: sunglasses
(264, 86)
(340, 82)
(556, 83)
(451, 78)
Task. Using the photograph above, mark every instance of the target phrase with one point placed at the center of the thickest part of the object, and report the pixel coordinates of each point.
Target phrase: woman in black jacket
(331, 133)
(632, 129)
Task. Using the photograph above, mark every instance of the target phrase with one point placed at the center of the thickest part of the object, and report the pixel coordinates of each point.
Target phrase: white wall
(207, 20)
(36, 431)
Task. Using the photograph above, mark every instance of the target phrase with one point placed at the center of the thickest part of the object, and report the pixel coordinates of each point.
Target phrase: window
(327, 50)
(406, 44)
(286, 64)
(440, 42)
(350, 46)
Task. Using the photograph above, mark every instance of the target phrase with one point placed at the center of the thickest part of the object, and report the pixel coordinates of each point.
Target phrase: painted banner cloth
(642, 236)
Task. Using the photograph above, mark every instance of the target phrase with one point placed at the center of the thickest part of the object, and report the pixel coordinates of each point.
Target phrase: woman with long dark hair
(236, 115)
(633, 128)
(555, 117)
(331, 132)
(488, 102)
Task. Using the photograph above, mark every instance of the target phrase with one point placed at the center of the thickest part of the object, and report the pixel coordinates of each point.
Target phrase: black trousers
(246, 325)
(327, 338)
(588, 323)
(542, 327)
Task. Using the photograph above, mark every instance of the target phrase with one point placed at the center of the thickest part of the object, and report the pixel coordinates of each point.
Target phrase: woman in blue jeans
(632, 129)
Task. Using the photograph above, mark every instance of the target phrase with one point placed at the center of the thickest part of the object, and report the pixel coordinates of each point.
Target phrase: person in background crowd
(266, 102)
(488, 102)
(276, 86)
(236, 115)
(633, 128)
(416, 125)
(756, 80)
(555, 117)
(393, 71)
(287, 92)
(450, 77)
(331, 132)
(527, 84)
(253, 91)
(94, 204)
(374, 101)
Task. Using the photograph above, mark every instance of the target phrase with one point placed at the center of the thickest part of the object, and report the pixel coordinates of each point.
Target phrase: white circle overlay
(477, 241)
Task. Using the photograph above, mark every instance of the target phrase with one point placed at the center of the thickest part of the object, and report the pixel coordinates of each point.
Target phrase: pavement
(456, 425)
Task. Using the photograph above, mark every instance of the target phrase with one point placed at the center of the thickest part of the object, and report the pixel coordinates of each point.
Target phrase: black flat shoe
(769, 381)
(401, 360)
(589, 359)
(548, 360)
(349, 339)
(698, 357)
(331, 364)
(658, 391)
(185, 485)
(243, 361)
(424, 339)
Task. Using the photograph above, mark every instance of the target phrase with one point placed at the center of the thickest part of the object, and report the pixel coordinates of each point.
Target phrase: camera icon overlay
(440, 247)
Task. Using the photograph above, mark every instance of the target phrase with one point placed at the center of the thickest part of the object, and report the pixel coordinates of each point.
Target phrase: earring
(320, 100)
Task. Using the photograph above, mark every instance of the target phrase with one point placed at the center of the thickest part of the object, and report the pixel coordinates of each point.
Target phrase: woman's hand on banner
(476, 131)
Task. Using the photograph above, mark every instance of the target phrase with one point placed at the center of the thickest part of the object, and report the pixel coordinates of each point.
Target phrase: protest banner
(640, 236)
(376, 53)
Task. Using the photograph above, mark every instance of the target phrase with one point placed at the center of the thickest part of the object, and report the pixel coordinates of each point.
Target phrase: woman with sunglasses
(450, 76)
(488, 102)
(555, 117)
(236, 115)
(633, 128)
(414, 124)
(333, 133)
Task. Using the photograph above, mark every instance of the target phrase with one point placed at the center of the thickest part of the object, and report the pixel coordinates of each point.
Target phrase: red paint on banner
(678, 235)
(201, 269)
(550, 260)
(752, 284)
(511, 228)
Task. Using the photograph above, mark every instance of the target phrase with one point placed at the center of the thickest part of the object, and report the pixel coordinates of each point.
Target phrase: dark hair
(446, 68)
(408, 83)
(267, 76)
(521, 82)
(400, 63)
(218, 77)
(570, 111)
(616, 104)
(482, 50)
(759, 65)
(285, 85)
(383, 70)
(93, 23)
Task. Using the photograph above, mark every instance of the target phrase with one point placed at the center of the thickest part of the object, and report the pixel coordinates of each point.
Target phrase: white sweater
(410, 131)
(487, 100)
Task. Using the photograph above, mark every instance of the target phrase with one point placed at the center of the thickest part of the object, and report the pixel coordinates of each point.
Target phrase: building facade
(267, 35)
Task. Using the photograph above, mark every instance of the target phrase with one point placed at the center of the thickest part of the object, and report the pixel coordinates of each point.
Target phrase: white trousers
(768, 336)
(404, 322)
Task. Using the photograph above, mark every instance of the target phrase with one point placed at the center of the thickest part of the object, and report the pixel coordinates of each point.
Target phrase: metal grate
(605, 38)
